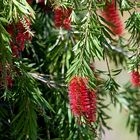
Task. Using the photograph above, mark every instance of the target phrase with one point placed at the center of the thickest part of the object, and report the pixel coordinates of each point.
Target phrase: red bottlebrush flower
(15, 51)
(19, 35)
(58, 17)
(62, 18)
(20, 28)
(10, 29)
(91, 111)
(28, 22)
(135, 78)
(27, 36)
(20, 40)
(67, 23)
(22, 25)
(111, 14)
(82, 100)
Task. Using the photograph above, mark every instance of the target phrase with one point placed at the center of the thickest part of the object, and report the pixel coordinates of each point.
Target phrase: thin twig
(48, 81)
(119, 50)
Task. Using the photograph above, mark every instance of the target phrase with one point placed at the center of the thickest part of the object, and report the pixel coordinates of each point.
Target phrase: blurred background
(119, 117)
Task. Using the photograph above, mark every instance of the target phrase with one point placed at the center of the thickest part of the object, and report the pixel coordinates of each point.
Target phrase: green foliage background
(37, 105)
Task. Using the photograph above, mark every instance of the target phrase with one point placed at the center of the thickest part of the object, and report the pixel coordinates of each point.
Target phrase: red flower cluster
(135, 78)
(111, 14)
(62, 18)
(82, 100)
(19, 35)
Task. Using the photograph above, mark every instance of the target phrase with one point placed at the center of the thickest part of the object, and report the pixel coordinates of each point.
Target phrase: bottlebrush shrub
(82, 99)
(111, 15)
(135, 78)
(62, 18)
(19, 35)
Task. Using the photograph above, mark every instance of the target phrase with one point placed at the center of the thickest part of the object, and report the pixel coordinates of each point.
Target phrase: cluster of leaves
(133, 28)
(19, 105)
